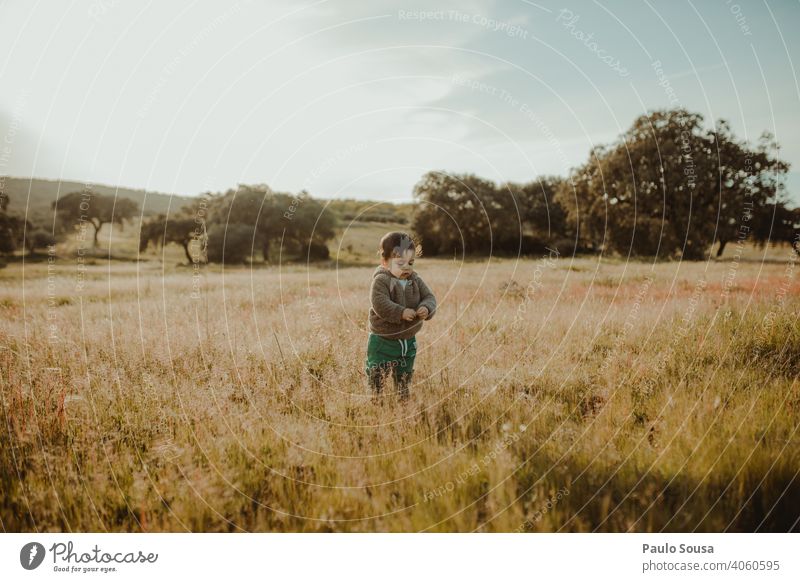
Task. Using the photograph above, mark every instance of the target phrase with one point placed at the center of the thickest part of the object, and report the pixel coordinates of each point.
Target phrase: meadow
(551, 393)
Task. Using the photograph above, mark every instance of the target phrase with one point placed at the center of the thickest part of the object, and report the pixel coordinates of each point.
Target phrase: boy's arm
(427, 299)
(382, 302)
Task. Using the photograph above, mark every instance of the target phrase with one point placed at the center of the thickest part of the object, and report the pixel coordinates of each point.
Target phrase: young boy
(400, 302)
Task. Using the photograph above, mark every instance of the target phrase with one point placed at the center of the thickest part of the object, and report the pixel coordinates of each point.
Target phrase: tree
(542, 215)
(10, 233)
(301, 222)
(97, 209)
(250, 206)
(39, 239)
(778, 224)
(181, 229)
(12, 228)
(307, 223)
(669, 186)
(457, 213)
(151, 232)
(229, 244)
(751, 186)
(467, 214)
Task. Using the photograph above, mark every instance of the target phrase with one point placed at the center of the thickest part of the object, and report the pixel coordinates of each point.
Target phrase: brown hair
(395, 244)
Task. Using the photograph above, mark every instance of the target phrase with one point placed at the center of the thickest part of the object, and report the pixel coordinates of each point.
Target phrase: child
(400, 302)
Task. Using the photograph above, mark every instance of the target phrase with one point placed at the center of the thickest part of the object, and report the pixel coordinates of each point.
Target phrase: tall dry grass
(550, 395)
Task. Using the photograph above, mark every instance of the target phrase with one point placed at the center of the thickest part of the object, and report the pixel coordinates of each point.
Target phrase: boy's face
(401, 267)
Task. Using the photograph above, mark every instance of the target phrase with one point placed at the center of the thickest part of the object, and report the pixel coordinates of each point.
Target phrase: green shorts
(390, 354)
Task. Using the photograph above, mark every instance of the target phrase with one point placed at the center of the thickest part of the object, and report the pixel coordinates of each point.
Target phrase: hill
(39, 194)
(348, 209)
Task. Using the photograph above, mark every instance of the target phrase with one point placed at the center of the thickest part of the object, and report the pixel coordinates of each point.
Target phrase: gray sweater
(388, 299)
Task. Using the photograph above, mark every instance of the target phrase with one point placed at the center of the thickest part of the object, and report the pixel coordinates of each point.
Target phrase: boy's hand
(409, 314)
(422, 312)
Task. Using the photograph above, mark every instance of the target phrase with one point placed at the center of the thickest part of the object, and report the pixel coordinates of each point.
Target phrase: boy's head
(397, 251)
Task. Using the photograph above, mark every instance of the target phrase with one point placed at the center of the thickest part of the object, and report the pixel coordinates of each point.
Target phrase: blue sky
(359, 99)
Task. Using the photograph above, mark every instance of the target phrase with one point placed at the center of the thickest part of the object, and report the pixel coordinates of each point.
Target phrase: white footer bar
(400, 557)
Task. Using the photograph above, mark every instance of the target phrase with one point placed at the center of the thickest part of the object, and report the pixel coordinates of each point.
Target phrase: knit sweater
(388, 300)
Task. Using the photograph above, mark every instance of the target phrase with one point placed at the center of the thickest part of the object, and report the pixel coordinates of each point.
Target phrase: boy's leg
(380, 356)
(404, 370)
(376, 376)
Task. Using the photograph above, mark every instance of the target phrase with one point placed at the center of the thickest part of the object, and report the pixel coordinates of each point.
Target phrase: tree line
(668, 187)
(246, 223)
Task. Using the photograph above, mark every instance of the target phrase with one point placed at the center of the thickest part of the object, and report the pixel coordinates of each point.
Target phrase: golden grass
(560, 395)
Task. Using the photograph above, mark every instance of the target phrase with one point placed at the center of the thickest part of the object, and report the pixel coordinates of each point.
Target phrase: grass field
(551, 394)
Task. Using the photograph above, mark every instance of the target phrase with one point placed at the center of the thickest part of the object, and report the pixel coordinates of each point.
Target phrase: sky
(356, 99)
